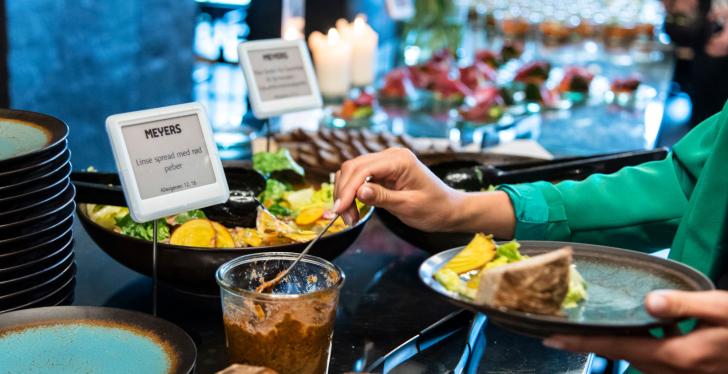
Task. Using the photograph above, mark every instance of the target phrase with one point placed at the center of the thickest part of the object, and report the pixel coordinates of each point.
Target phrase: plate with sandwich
(541, 288)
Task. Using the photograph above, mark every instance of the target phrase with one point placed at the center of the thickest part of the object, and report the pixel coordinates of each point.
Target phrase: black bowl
(49, 214)
(23, 256)
(192, 269)
(55, 266)
(39, 236)
(35, 184)
(56, 156)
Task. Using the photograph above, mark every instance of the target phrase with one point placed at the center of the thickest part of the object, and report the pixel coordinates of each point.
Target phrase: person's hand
(701, 351)
(399, 183)
(405, 187)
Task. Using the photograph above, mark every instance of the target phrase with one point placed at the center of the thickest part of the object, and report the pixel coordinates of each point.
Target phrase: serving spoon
(273, 282)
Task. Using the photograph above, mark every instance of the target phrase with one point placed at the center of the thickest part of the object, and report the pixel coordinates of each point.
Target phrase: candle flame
(333, 36)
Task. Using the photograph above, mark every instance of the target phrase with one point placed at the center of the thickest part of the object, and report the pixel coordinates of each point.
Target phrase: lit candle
(332, 57)
(292, 28)
(363, 40)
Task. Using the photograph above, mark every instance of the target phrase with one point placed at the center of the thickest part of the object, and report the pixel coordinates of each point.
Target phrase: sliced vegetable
(223, 239)
(510, 251)
(309, 216)
(105, 215)
(274, 192)
(577, 289)
(195, 233)
(476, 254)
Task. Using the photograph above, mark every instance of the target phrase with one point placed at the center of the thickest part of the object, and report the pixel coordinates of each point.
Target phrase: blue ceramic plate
(75, 339)
(27, 136)
(617, 279)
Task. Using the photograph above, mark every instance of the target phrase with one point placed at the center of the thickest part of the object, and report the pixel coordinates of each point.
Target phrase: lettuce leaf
(268, 162)
(510, 251)
(143, 230)
(274, 192)
(188, 216)
(577, 289)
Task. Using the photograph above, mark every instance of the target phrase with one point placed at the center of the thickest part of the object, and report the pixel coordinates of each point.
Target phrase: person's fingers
(615, 348)
(350, 215)
(348, 167)
(376, 195)
(711, 306)
(377, 169)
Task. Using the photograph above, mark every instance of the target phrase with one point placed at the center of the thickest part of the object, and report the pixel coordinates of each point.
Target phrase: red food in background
(488, 57)
(576, 79)
(535, 72)
(486, 98)
(477, 75)
(397, 83)
(625, 85)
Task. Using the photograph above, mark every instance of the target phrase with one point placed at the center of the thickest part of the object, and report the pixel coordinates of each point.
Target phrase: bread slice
(535, 285)
(246, 369)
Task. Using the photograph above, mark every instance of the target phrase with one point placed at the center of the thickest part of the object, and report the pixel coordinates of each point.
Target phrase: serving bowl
(192, 269)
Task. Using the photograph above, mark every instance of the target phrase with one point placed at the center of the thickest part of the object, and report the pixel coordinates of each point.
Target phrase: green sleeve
(637, 207)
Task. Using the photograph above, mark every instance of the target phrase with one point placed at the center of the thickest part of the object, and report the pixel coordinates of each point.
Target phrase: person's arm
(637, 207)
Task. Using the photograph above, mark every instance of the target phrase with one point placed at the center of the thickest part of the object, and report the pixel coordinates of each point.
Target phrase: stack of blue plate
(37, 265)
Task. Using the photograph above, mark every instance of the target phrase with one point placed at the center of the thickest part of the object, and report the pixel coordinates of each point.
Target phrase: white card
(167, 160)
(280, 76)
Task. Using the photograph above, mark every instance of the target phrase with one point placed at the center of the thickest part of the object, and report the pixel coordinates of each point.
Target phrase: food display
(488, 105)
(358, 108)
(576, 79)
(499, 276)
(397, 85)
(536, 72)
(625, 85)
(326, 149)
(291, 213)
(477, 75)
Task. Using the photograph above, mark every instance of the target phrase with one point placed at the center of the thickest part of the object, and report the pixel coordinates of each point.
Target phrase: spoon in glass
(273, 282)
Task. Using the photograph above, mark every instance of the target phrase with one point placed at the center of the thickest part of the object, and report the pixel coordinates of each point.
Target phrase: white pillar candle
(332, 58)
(364, 41)
(292, 28)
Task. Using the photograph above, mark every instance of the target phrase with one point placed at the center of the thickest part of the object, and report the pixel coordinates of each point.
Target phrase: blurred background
(83, 60)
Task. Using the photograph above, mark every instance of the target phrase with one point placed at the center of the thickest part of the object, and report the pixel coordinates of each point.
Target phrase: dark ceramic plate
(49, 214)
(56, 156)
(54, 267)
(192, 269)
(38, 291)
(35, 193)
(27, 137)
(22, 188)
(58, 296)
(37, 265)
(40, 236)
(23, 179)
(38, 209)
(24, 256)
(91, 339)
(618, 281)
(11, 215)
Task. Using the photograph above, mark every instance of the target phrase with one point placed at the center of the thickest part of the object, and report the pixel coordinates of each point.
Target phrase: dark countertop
(382, 305)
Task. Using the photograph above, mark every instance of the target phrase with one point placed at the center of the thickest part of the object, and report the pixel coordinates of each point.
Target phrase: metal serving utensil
(273, 282)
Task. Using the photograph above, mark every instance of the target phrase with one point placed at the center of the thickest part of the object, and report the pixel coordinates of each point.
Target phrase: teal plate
(71, 339)
(27, 136)
(617, 279)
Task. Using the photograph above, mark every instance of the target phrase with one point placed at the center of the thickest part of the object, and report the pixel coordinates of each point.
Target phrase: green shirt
(680, 202)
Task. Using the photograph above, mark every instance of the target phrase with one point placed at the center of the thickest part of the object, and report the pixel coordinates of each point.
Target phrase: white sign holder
(168, 163)
(280, 78)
